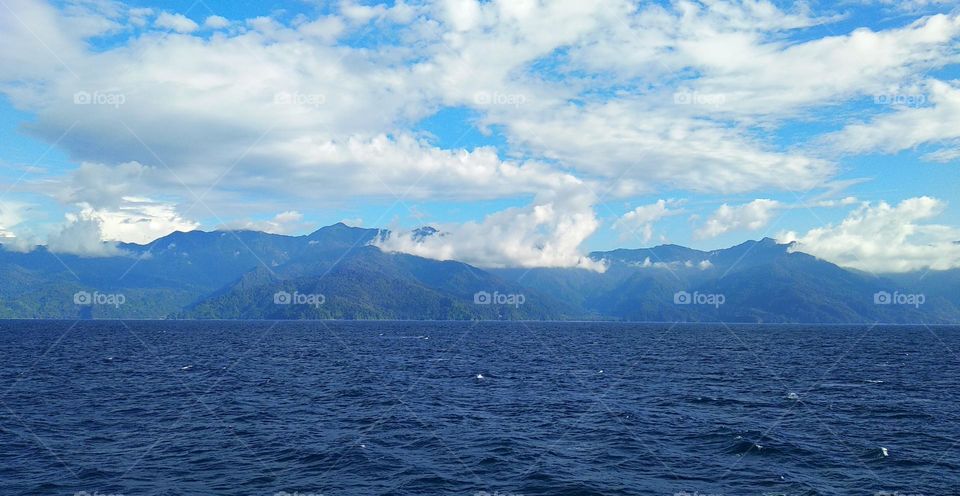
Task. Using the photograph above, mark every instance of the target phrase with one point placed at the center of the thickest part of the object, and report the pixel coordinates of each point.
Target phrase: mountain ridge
(244, 274)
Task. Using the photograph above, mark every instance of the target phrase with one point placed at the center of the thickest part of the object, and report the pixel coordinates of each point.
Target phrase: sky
(529, 133)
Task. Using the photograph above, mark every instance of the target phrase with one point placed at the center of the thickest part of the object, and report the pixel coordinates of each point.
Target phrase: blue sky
(531, 134)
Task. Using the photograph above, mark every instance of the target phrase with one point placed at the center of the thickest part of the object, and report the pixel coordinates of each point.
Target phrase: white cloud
(216, 22)
(116, 198)
(640, 148)
(11, 214)
(943, 155)
(779, 77)
(547, 233)
(326, 29)
(689, 264)
(102, 186)
(908, 127)
(750, 216)
(744, 52)
(881, 238)
(36, 44)
(176, 22)
(18, 244)
(843, 202)
(137, 220)
(635, 138)
(139, 15)
(642, 218)
(910, 6)
(82, 237)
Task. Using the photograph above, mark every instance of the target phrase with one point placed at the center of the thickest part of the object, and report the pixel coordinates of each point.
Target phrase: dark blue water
(336, 408)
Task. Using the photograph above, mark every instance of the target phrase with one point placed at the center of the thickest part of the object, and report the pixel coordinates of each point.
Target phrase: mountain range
(336, 273)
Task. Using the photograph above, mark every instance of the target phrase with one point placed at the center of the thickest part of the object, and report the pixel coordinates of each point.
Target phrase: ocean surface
(483, 409)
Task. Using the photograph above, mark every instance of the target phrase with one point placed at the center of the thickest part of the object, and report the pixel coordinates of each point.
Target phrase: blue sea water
(341, 408)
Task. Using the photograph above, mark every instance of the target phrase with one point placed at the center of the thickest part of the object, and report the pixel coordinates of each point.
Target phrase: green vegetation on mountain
(335, 273)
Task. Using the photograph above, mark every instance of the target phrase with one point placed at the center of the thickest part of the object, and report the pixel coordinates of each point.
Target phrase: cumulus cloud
(216, 22)
(884, 238)
(749, 216)
(547, 233)
(642, 218)
(136, 220)
(114, 197)
(18, 244)
(176, 22)
(81, 236)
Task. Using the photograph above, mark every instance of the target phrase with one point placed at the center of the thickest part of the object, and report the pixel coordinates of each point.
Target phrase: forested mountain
(336, 273)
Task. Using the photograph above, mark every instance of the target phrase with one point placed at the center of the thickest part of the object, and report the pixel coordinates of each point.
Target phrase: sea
(477, 408)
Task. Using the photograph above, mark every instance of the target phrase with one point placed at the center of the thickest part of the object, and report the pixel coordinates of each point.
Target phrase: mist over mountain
(335, 273)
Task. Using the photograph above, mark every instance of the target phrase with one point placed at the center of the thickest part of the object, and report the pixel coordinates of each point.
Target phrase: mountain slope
(365, 283)
(238, 274)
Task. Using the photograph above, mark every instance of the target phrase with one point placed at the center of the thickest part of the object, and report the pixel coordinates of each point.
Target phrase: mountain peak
(339, 227)
(340, 234)
(420, 233)
(765, 242)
